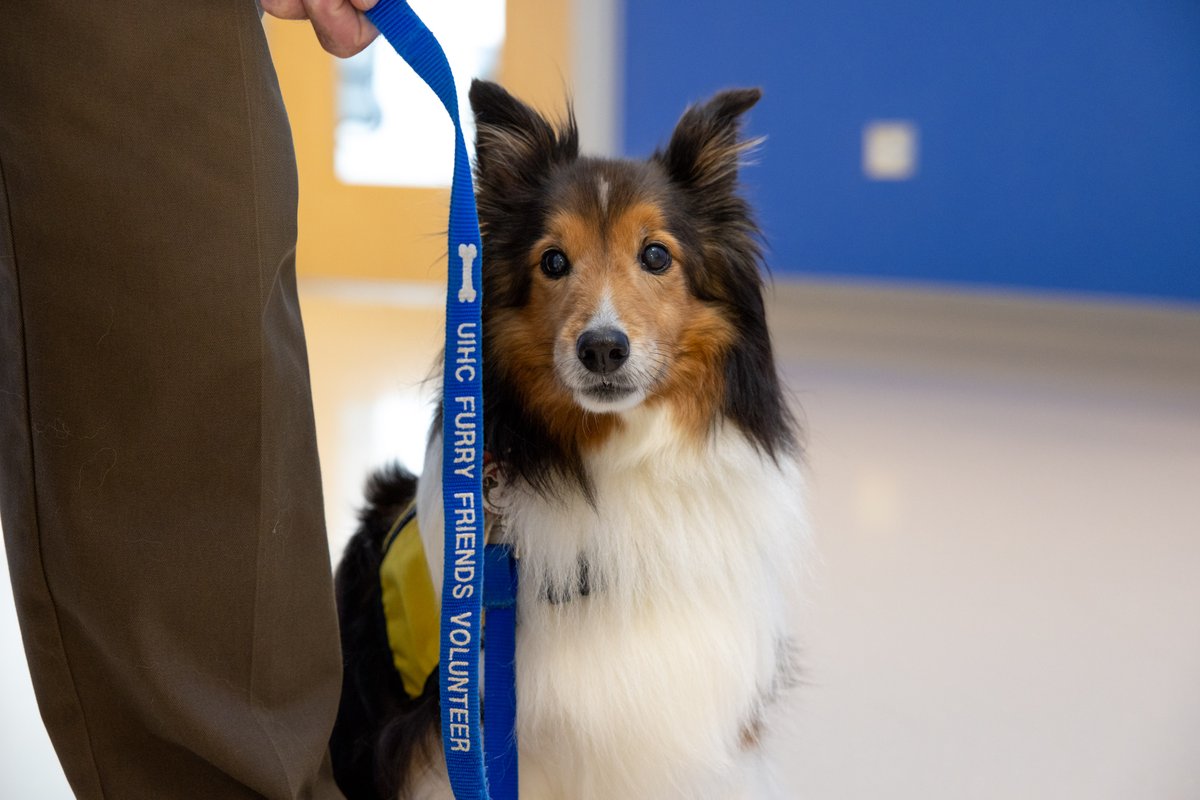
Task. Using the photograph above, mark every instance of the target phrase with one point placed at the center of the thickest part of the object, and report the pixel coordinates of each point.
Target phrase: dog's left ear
(705, 148)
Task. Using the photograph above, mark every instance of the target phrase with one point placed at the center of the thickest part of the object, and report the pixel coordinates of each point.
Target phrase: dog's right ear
(513, 142)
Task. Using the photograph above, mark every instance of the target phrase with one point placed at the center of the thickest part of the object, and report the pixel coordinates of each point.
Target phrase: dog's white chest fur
(653, 621)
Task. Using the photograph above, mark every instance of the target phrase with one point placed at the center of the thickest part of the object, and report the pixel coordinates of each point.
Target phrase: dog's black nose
(603, 350)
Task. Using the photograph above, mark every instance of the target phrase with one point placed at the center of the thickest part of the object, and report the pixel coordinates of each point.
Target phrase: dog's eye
(555, 264)
(655, 258)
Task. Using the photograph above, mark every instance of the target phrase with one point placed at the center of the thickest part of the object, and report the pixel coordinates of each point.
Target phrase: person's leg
(159, 484)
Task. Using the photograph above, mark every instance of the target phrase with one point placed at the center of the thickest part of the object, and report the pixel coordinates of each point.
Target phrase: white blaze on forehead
(602, 188)
(605, 315)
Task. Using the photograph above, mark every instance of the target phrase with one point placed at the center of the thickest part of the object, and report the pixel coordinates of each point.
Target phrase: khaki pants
(158, 469)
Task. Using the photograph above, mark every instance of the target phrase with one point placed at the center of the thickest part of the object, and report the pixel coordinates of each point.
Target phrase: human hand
(340, 25)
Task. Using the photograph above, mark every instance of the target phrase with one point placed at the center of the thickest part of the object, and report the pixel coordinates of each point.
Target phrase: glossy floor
(1006, 504)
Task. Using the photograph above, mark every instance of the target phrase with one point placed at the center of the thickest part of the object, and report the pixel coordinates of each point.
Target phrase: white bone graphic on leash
(467, 253)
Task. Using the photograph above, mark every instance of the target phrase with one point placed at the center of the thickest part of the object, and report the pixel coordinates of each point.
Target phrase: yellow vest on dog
(409, 604)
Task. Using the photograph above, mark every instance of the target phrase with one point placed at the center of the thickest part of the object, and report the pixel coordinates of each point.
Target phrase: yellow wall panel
(383, 232)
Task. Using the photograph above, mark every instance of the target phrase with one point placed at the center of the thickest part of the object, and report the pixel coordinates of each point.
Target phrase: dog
(649, 478)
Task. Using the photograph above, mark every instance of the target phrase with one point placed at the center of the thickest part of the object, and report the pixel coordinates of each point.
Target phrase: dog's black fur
(378, 725)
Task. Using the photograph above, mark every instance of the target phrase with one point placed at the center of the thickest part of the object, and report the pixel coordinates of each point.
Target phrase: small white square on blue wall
(889, 150)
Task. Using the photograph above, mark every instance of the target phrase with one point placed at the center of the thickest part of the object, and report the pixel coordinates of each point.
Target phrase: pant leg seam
(252, 133)
(12, 257)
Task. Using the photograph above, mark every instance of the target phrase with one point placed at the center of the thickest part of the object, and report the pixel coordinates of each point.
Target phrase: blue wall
(1059, 146)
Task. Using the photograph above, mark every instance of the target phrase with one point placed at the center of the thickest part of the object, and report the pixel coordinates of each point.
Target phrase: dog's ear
(702, 159)
(705, 148)
(513, 142)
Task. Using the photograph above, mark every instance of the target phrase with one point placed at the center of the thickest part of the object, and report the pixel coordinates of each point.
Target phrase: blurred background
(983, 223)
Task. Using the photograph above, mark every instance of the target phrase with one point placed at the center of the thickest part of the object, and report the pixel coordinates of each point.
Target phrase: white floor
(1007, 500)
(1005, 496)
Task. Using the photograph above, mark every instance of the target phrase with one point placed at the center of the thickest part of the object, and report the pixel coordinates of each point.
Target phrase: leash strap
(462, 472)
(499, 656)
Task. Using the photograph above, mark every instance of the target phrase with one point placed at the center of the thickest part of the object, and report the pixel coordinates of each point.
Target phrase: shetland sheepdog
(649, 478)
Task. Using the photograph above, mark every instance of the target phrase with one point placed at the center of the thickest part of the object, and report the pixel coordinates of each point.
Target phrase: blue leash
(465, 590)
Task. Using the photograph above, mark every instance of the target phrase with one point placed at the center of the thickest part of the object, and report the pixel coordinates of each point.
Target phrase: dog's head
(609, 284)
